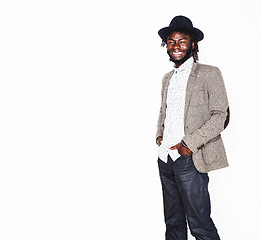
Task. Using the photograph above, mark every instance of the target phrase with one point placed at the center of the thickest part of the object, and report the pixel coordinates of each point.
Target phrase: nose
(176, 45)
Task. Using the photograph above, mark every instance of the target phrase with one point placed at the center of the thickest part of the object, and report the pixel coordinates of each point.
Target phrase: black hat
(180, 23)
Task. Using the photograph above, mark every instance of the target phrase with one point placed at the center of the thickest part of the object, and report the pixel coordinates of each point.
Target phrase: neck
(179, 63)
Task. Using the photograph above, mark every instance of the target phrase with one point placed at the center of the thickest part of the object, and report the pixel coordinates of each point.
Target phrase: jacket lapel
(190, 86)
(168, 77)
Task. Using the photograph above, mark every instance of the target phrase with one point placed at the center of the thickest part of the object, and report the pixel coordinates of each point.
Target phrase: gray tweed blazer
(205, 113)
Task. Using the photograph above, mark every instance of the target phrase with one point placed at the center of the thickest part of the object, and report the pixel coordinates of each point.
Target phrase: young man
(194, 111)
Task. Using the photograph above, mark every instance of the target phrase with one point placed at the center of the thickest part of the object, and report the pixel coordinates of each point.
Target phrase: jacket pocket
(212, 150)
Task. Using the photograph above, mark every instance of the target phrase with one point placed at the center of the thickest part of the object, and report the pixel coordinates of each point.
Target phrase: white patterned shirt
(174, 121)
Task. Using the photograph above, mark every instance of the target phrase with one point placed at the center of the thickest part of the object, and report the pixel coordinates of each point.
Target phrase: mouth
(176, 53)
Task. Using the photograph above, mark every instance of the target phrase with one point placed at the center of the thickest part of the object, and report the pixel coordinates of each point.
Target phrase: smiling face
(179, 47)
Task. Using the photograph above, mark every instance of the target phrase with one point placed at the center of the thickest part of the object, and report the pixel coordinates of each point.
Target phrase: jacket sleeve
(218, 107)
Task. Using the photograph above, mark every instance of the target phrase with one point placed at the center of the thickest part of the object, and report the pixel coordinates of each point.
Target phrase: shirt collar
(186, 66)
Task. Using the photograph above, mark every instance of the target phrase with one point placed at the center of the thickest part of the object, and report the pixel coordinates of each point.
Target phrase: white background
(79, 99)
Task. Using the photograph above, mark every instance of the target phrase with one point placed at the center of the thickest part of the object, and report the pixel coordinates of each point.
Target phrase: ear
(193, 44)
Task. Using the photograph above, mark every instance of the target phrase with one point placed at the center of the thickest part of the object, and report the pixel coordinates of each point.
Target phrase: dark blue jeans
(186, 199)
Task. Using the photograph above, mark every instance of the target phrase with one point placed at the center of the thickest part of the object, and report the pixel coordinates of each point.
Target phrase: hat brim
(165, 32)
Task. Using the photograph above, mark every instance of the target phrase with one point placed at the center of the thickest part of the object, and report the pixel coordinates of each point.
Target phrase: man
(194, 111)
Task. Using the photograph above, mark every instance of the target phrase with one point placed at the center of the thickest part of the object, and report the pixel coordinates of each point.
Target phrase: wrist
(184, 144)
